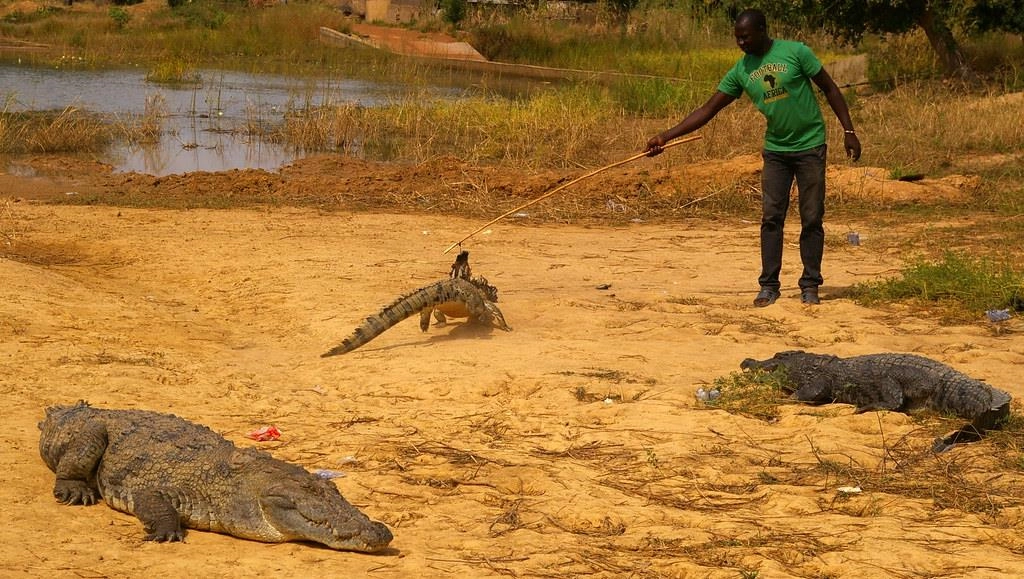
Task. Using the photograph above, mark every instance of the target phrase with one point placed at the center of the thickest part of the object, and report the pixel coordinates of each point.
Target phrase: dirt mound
(448, 186)
(878, 184)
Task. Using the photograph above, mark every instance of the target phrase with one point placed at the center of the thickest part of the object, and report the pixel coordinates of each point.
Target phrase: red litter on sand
(264, 434)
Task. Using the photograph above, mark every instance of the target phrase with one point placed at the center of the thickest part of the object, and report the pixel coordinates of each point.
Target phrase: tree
(1007, 15)
(453, 11)
(849, 20)
(619, 11)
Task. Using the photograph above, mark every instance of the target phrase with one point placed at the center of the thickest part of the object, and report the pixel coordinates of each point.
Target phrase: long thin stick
(563, 186)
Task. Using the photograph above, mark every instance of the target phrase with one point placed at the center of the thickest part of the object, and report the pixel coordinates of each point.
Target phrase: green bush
(958, 281)
(453, 11)
(119, 15)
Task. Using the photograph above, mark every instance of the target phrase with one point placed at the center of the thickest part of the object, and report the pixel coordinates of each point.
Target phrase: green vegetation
(918, 126)
(661, 39)
(757, 394)
(453, 11)
(119, 15)
(850, 20)
(959, 284)
(209, 33)
(666, 43)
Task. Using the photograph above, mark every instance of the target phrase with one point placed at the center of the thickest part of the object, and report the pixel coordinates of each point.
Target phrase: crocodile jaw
(316, 513)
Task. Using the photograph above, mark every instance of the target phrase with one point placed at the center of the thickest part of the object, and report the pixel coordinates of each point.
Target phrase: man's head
(751, 32)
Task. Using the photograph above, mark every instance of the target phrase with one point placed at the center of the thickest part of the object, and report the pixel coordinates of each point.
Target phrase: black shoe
(766, 297)
(809, 296)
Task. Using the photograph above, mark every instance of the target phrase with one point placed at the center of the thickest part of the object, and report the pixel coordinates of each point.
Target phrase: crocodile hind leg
(973, 432)
(966, 434)
(440, 318)
(425, 318)
(160, 519)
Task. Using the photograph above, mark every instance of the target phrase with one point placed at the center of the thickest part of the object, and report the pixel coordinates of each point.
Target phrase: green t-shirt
(779, 84)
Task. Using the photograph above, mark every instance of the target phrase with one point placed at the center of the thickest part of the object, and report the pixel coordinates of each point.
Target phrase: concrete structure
(389, 11)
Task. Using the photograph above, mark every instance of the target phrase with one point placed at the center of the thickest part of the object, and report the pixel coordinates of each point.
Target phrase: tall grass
(554, 129)
(70, 130)
(663, 43)
(147, 128)
(203, 32)
(173, 71)
(926, 127)
(73, 130)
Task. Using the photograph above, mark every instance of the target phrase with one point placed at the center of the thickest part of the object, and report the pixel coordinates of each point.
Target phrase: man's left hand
(852, 145)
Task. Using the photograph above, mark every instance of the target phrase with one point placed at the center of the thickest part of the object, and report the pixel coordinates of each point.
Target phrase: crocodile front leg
(76, 467)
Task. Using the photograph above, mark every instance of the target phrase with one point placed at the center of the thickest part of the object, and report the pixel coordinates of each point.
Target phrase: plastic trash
(998, 315)
(264, 434)
(708, 395)
(613, 205)
(326, 473)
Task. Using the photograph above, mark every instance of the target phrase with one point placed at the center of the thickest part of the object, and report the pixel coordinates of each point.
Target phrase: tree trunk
(945, 46)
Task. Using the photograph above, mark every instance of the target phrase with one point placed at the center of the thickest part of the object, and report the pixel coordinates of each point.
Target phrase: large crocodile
(900, 382)
(459, 296)
(172, 474)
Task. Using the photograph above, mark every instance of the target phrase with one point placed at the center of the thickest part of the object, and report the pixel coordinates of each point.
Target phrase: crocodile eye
(281, 501)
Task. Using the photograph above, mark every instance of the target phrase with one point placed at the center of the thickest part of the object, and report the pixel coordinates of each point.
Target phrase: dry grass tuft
(605, 528)
(449, 453)
(757, 394)
(555, 129)
(147, 128)
(593, 451)
(68, 130)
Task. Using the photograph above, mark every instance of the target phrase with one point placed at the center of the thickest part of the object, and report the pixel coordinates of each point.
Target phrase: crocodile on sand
(173, 474)
(900, 382)
(459, 296)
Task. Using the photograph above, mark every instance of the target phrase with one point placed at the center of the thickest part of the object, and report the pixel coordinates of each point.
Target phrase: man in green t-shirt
(777, 76)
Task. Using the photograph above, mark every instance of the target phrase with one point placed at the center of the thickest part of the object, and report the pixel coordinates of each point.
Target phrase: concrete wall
(389, 11)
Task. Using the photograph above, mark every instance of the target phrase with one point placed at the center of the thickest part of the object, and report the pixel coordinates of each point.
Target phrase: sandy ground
(571, 446)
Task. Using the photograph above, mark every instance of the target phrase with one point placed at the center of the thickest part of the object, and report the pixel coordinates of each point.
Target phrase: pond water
(201, 121)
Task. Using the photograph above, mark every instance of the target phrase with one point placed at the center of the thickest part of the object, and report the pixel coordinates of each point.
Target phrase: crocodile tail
(404, 307)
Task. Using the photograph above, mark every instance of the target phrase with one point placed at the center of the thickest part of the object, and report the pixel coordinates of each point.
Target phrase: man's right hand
(655, 146)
